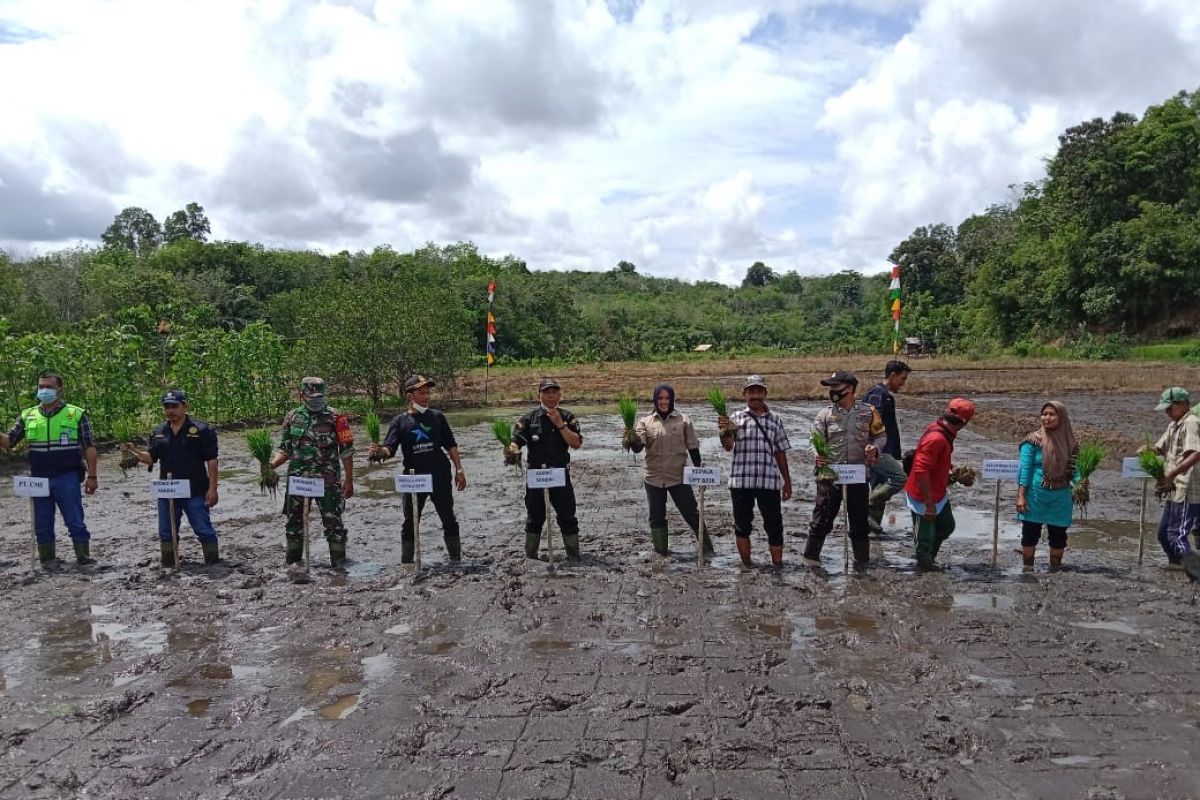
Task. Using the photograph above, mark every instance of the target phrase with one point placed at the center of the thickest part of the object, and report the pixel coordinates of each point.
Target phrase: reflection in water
(341, 708)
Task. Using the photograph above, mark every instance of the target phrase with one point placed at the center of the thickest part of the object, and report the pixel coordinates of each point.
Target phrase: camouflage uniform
(316, 442)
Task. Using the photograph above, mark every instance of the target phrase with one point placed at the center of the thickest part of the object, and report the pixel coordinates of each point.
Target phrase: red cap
(962, 408)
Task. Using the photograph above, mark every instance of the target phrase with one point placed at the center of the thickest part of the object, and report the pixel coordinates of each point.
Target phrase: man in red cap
(929, 477)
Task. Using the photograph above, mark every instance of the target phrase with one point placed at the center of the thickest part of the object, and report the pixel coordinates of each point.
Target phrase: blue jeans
(197, 514)
(66, 492)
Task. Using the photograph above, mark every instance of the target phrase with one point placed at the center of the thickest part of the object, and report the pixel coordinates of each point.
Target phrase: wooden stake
(416, 518)
(702, 534)
(996, 526)
(33, 553)
(846, 527)
(174, 529)
(1142, 523)
(307, 506)
(548, 528)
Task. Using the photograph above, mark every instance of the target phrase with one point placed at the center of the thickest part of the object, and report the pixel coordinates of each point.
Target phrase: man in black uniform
(422, 434)
(887, 476)
(550, 433)
(187, 450)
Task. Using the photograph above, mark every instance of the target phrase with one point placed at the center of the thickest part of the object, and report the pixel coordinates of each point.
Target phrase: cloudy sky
(691, 137)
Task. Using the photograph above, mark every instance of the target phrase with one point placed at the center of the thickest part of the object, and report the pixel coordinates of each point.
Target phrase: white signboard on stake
(995, 469)
(306, 487)
(26, 486)
(414, 484)
(849, 473)
(1132, 468)
(702, 476)
(546, 478)
(170, 490)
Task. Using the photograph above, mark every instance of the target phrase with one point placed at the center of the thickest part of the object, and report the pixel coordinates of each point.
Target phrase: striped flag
(491, 323)
(894, 301)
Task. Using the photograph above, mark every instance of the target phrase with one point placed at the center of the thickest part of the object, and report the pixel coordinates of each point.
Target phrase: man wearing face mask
(424, 436)
(550, 433)
(61, 448)
(669, 440)
(854, 433)
(318, 442)
(187, 450)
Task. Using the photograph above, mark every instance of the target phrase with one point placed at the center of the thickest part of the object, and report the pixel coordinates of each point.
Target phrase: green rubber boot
(926, 543)
(453, 548)
(407, 551)
(571, 545)
(337, 554)
(533, 541)
(167, 550)
(46, 553)
(295, 551)
(212, 551)
(83, 553)
(658, 536)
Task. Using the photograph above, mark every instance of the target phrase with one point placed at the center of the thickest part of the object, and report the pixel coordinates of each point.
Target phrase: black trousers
(443, 503)
(1031, 532)
(825, 511)
(769, 506)
(685, 501)
(563, 500)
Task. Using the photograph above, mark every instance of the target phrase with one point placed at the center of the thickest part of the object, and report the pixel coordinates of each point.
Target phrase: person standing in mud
(1180, 485)
(669, 439)
(854, 433)
(187, 449)
(61, 448)
(758, 472)
(1044, 484)
(887, 475)
(318, 442)
(550, 433)
(929, 478)
(425, 439)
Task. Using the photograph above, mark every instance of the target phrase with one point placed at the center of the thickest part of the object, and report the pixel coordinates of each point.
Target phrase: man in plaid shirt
(759, 472)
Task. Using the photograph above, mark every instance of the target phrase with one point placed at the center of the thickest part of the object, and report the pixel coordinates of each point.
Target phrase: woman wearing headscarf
(668, 438)
(1044, 483)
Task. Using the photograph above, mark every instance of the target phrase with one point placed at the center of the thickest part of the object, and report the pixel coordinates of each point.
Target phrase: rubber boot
(1056, 556)
(926, 544)
(776, 555)
(453, 548)
(407, 551)
(708, 545)
(1027, 554)
(533, 543)
(658, 536)
(743, 548)
(813, 547)
(83, 553)
(571, 545)
(212, 552)
(295, 552)
(337, 555)
(46, 552)
(167, 551)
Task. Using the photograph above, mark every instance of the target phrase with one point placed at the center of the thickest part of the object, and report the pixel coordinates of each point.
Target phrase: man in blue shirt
(887, 475)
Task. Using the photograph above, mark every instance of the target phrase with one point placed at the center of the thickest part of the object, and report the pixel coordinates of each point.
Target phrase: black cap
(841, 376)
(548, 383)
(416, 382)
(174, 397)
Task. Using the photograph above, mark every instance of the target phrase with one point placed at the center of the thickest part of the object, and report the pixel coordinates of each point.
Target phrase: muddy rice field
(624, 676)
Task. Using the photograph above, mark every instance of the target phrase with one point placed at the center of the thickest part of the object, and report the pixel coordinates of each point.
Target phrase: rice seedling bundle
(821, 447)
(371, 423)
(628, 409)
(502, 429)
(262, 447)
(1086, 462)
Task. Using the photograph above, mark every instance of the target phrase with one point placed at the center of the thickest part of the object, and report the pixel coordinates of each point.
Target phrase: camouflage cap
(415, 382)
(312, 386)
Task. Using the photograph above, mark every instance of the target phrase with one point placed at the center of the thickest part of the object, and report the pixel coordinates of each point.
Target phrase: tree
(759, 275)
(190, 223)
(928, 263)
(134, 229)
(626, 267)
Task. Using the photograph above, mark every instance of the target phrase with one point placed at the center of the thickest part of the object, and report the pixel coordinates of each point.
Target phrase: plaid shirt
(754, 465)
(1180, 439)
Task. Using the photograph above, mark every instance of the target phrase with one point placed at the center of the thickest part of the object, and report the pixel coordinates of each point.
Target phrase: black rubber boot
(708, 545)
(46, 553)
(83, 554)
(337, 554)
(571, 545)
(212, 552)
(167, 550)
(407, 549)
(533, 541)
(453, 548)
(659, 537)
(295, 551)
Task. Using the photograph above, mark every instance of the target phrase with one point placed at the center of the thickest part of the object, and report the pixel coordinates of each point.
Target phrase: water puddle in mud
(1074, 761)
(331, 681)
(547, 646)
(981, 602)
(1115, 625)
(341, 708)
(198, 708)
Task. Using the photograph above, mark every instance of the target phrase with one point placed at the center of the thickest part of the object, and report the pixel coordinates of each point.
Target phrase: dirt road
(625, 676)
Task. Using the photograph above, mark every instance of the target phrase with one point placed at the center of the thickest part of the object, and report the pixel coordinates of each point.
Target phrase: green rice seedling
(262, 447)
(371, 423)
(1153, 465)
(1086, 462)
(716, 399)
(128, 460)
(628, 408)
(821, 447)
(502, 429)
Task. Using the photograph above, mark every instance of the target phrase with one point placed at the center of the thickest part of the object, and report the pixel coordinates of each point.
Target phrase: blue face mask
(47, 396)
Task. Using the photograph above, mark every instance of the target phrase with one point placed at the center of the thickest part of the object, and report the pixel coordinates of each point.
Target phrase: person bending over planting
(929, 478)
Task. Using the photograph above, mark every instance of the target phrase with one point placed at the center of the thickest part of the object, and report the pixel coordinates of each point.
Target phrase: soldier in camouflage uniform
(319, 443)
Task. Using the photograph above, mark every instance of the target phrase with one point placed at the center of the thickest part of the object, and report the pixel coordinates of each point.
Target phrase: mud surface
(624, 676)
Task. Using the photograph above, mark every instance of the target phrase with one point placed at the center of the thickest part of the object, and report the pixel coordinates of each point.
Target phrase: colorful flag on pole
(491, 324)
(894, 300)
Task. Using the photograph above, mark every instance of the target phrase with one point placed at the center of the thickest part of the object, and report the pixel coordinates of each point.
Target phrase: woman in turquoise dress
(1044, 484)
